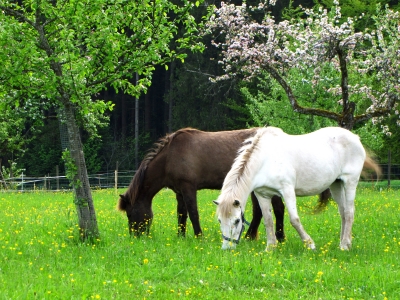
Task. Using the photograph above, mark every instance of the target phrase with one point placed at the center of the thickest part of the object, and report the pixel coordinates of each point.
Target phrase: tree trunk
(171, 99)
(137, 127)
(80, 180)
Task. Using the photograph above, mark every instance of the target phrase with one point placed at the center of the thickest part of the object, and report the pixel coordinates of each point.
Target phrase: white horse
(275, 163)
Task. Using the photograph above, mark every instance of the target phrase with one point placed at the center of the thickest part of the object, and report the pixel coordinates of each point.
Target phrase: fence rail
(121, 179)
(116, 179)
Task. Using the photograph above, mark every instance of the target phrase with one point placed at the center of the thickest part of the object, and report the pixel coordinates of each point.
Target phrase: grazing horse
(186, 161)
(273, 163)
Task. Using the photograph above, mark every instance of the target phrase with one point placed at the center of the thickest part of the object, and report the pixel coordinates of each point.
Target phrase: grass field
(41, 258)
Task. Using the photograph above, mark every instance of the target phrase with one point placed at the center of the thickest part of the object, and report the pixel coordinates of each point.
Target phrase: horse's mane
(137, 181)
(237, 183)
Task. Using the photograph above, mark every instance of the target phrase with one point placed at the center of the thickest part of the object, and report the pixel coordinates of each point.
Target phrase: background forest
(182, 95)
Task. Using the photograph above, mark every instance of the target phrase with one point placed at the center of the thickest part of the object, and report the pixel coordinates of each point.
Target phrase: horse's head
(139, 215)
(231, 219)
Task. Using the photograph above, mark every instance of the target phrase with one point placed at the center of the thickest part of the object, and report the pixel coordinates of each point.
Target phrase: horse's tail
(371, 164)
(323, 201)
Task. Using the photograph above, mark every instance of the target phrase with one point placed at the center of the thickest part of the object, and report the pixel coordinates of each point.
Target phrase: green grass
(41, 258)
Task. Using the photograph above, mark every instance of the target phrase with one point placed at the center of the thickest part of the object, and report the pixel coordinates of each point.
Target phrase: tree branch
(293, 101)
(17, 15)
(393, 98)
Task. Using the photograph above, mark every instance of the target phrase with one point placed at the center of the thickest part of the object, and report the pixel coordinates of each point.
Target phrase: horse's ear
(236, 203)
(121, 205)
(216, 202)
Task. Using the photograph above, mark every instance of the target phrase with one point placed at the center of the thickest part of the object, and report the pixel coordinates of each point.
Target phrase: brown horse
(186, 161)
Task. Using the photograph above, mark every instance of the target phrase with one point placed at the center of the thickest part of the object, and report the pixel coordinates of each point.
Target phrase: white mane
(238, 183)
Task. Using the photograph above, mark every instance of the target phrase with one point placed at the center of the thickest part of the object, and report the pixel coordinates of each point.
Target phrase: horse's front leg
(266, 208)
(290, 201)
(182, 214)
(190, 199)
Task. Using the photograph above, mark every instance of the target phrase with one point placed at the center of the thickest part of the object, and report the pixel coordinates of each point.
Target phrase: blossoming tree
(358, 71)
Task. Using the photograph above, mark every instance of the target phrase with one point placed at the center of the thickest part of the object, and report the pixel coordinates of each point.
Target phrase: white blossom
(310, 44)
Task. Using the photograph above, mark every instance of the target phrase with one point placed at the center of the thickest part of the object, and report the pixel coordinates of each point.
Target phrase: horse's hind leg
(344, 196)
(290, 201)
(182, 214)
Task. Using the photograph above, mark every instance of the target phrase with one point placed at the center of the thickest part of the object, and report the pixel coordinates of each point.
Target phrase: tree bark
(80, 180)
(171, 99)
(83, 197)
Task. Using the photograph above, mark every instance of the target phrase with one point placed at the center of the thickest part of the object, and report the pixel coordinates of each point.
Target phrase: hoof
(280, 236)
(345, 247)
(310, 244)
(271, 247)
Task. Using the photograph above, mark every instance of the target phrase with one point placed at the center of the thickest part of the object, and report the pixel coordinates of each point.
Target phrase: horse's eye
(219, 221)
(236, 222)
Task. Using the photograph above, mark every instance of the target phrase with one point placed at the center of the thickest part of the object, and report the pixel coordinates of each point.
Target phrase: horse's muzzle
(227, 245)
(140, 229)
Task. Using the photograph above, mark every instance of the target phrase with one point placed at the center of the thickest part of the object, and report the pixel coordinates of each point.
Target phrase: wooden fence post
(389, 167)
(116, 181)
(58, 179)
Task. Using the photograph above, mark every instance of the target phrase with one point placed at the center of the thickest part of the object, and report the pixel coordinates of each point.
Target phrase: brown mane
(137, 181)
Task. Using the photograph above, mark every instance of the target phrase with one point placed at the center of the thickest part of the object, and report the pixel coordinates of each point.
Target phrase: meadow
(41, 256)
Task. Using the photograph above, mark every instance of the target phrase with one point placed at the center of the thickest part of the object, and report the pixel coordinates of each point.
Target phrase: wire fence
(116, 179)
(121, 179)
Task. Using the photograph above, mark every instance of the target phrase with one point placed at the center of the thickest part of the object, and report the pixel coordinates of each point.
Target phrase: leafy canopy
(55, 50)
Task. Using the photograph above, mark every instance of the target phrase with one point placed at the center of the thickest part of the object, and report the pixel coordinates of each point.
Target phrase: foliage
(74, 50)
(8, 174)
(12, 171)
(42, 153)
(365, 63)
(43, 258)
(91, 148)
(269, 106)
(381, 144)
(71, 170)
(366, 9)
(81, 47)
